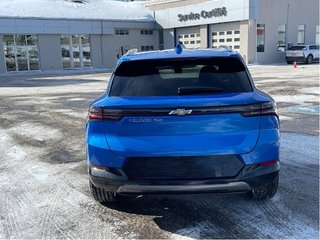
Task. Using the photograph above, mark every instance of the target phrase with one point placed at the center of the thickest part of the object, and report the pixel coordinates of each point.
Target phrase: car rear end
(182, 124)
(296, 54)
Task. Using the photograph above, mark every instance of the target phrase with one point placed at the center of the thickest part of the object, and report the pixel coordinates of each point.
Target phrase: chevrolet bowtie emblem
(180, 112)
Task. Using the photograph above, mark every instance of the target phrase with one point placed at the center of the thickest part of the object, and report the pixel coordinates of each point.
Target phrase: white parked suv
(303, 53)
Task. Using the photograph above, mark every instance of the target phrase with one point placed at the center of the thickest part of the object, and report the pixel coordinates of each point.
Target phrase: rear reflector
(264, 164)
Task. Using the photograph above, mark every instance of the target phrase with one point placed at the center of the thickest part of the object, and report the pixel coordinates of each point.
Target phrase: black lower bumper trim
(197, 188)
(251, 176)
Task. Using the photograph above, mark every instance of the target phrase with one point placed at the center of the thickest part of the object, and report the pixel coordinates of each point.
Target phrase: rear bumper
(250, 177)
(194, 188)
(295, 59)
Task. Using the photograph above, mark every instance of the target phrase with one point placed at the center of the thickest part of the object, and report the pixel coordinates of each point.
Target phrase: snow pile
(88, 9)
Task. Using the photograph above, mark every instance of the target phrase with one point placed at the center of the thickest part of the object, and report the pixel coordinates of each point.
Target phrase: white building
(260, 30)
(45, 35)
(53, 35)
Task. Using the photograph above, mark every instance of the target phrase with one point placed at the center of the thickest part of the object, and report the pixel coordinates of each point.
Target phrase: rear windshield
(167, 77)
(296, 48)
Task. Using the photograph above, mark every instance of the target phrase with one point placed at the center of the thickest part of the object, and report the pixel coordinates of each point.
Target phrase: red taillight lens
(264, 164)
(95, 114)
(102, 114)
(268, 108)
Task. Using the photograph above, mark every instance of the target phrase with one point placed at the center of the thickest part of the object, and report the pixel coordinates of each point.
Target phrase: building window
(186, 36)
(236, 47)
(282, 38)
(221, 33)
(86, 53)
(145, 32)
(237, 40)
(260, 37)
(147, 48)
(221, 40)
(318, 34)
(21, 52)
(214, 33)
(214, 40)
(301, 30)
(122, 31)
(186, 42)
(229, 39)
(236, 31)
(75, 51)
(229, 32)
(192, 42)
(198, 41)
(198, 35)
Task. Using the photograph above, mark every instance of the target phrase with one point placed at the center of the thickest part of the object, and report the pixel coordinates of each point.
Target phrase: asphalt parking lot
(44, 187)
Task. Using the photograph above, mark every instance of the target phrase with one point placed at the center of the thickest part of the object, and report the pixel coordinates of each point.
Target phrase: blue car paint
(110, 143)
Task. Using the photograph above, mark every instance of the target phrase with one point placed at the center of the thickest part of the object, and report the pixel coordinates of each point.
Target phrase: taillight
(267, 108)
(100, 114)
(95, 114)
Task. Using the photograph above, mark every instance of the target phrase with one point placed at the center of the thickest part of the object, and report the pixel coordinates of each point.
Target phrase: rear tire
(101, 195)
(309, 59)
(265, 191)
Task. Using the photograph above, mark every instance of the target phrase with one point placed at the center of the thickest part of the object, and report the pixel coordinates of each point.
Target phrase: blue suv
(182, 122)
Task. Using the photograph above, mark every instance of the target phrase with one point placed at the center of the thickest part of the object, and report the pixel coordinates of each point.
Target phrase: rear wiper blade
(198, 90)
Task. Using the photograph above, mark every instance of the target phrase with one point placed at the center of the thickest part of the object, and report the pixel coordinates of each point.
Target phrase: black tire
(101, 195)
(265, 191)
(289, 62)
(309, 59)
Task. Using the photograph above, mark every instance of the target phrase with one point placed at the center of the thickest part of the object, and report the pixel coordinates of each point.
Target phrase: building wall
(103, 41)
(2, 59)
(168, 37)
(49, 52)
(96, 50)
(208, 12)
(204, 36)
(159, 5)
(110, 44)
(289, 12)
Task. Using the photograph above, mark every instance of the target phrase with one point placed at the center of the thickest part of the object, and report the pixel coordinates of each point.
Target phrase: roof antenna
(178, 49)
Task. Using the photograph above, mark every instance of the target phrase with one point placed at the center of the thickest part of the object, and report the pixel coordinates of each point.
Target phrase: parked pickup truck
(302, 53)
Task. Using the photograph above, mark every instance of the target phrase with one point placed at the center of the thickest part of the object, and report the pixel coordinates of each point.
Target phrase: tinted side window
(312, 47)
(165, 77)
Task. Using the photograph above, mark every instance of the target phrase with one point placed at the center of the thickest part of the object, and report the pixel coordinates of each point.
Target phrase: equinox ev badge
(180, 112)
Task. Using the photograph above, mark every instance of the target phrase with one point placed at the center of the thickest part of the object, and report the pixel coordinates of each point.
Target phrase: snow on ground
(44, 196)
(37, 132)
(89, 9)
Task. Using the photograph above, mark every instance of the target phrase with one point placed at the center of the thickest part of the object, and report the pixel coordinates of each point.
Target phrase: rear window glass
(296, 48)
(165, 77)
